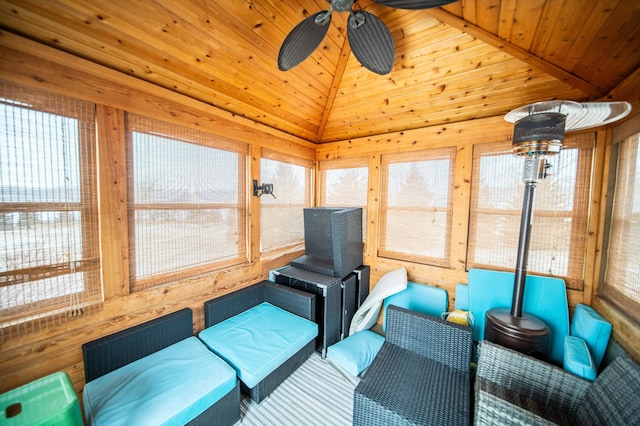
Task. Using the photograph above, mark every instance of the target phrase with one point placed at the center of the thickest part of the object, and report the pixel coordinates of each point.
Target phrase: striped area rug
(315, 394)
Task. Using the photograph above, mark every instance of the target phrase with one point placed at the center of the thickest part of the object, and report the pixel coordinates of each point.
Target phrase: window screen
(622, 274)
(559, 232)
(187, 208)
(281, 215)
(416, 206)
(49, 248)
(345, 183)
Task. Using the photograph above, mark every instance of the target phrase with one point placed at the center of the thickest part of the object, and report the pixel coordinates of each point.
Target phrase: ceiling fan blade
(371, 42)
(303, 40)
(414, 4)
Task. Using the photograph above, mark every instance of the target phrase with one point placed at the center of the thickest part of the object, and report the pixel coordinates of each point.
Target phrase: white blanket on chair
(367, 315)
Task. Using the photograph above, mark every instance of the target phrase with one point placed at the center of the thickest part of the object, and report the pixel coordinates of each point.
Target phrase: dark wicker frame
(332, 240)
(421, 375)
(514, 388)
(295, 301)
(329, 310)
(111, 352)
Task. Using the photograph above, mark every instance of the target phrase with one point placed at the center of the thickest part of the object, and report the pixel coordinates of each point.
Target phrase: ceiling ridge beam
(628, 89)
(335, 85)
(515, 51)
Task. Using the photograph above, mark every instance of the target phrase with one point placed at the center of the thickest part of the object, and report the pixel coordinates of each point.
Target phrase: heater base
(526, 334)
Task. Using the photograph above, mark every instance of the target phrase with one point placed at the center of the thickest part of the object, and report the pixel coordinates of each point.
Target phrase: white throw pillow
(367, 315)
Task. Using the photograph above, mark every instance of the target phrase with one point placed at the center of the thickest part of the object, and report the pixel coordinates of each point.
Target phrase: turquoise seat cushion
(169, 387)
(591, 327)
(544, 297)
(422, 298)
(355, 353)
(257, 341)
(577, 358)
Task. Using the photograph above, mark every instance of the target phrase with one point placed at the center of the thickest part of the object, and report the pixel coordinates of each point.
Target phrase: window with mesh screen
(561, 207)
(49, 248)
(345, 183)
(416, 206)
(187, 202)
(622, 274)
(281, 214)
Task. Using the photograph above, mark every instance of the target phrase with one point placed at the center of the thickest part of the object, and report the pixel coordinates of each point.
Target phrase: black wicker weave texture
(512, 388)
(332, 240)
(433, 338)
(277, 376)
(421, 376)
(225, 412)
(111, 352)
(108, 353)
(295, 301)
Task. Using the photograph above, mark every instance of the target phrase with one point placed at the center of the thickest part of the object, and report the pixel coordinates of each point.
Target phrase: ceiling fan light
(539, 134)
(342, 5)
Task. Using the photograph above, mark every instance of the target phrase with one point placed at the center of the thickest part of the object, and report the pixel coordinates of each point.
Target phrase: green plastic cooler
(50, 400)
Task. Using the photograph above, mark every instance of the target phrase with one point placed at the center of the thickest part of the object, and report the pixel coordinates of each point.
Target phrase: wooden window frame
(343, 164)
(308, 165)
(410, 157)
(154, 127)
(56, 310)
(579, 216)
(607, 290)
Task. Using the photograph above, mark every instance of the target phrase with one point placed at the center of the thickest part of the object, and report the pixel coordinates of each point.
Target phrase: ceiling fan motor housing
(342, 5)
(539, 134)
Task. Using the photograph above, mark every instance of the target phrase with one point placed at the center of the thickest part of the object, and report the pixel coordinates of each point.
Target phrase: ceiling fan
(369, 38)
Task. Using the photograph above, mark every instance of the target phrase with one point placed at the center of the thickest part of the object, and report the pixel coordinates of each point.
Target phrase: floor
(314, 395)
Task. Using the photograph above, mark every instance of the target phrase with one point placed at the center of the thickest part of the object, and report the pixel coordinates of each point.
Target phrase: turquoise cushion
(422, 298)
(259, 340)
(591, 327)
(577, 358)
(171, 386)
(462, 297)
(355, 353)
(544, 297)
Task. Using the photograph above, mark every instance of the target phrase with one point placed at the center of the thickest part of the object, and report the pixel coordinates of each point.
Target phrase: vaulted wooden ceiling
(470, 59)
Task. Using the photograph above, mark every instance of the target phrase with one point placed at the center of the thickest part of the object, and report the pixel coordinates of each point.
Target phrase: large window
(345, 183)
(622, 274)
(417, 205)
(187, 208)
(561, 207)
(281, 215)
(49, 249)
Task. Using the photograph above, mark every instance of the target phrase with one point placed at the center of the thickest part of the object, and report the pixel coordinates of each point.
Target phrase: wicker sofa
(158, 373)
(515, 389)
(264, 331)
(420, 376)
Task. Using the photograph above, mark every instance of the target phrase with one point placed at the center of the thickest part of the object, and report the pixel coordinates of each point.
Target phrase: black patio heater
(535, 137)
(539, 133)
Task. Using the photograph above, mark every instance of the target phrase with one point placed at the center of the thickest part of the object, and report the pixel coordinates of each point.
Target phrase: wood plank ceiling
(470, 59)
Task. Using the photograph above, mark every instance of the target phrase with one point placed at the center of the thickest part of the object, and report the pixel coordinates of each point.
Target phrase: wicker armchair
(420, 376)
(515, 389)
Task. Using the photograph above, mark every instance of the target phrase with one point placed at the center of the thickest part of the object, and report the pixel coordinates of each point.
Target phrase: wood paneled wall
(464, 136)
(30, 357)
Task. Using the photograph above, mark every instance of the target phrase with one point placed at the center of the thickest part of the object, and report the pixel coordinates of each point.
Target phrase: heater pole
(523, 248)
